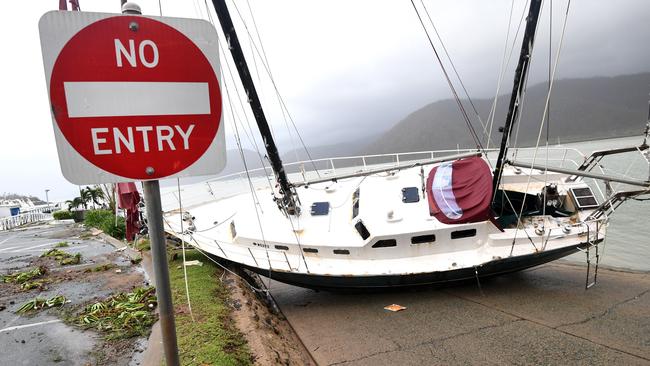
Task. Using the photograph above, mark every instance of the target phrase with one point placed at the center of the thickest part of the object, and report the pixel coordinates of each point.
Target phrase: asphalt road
(43, 339)
(540, 316)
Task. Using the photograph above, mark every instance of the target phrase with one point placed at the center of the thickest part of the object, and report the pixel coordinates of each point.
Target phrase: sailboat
(427, 218)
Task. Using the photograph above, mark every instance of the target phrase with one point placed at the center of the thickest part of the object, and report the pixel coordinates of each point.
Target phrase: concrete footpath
(539, 316)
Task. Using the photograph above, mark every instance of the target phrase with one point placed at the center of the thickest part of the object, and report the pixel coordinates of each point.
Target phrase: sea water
(627, 244)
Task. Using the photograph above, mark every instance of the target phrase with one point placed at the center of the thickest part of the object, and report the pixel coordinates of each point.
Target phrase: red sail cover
(460, 191)
(129, 198)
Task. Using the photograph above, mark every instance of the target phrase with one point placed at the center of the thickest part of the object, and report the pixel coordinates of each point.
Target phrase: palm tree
(96, 195)
(86, 196)
(75, 203)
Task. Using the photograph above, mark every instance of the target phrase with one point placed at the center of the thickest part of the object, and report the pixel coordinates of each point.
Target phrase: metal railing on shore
(11, 222)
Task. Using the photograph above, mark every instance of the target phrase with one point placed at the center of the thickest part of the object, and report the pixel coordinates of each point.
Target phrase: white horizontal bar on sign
(117, 98)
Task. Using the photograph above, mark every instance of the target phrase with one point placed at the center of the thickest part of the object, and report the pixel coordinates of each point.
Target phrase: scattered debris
(136, 260)
(75, 259)
(32, 285)
(22, 277)
(395, 307)
(39, 303)
(62, 244)
(118, 271)
(193, 263)
(64, 258)
(124, 315)
(100, 268)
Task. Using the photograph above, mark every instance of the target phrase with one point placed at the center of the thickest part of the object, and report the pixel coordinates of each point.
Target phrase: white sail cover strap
(443, 192)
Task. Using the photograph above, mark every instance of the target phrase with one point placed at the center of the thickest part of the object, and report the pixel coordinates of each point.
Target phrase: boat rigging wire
(546, 106)
(251, 138)
(256, 202)
(463, 112)
(267, 67)
(502, 68)
(226, 269)
(453, 66)
(187, 287)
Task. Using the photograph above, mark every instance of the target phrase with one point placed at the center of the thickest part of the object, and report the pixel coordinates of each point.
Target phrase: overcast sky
(342, 67)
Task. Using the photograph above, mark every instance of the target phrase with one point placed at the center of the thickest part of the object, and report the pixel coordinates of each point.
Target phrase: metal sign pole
(159, 253)
(161, 270)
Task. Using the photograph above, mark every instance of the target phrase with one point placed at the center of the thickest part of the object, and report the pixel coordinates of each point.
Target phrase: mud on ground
(269, 335)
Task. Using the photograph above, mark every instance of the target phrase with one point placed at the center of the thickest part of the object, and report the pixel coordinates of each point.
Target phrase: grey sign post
(91, 109)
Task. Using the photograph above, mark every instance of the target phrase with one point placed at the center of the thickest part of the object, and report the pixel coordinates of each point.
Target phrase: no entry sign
(133, 97)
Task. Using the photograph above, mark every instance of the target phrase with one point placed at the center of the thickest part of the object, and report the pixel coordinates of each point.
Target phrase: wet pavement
(43, 338)
(540, 316)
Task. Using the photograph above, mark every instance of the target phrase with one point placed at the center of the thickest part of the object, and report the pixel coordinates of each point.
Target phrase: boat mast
(288, 201)
(518, 88)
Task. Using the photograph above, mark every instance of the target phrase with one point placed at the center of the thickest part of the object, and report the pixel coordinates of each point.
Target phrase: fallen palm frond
(123, 315)
(75, 259)
(100, 268)
(64, 258)
(32, 285)
(39, 303)
(22, 277)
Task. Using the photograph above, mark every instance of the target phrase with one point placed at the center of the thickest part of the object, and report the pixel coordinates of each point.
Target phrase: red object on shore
(128, 199)
(460, 192)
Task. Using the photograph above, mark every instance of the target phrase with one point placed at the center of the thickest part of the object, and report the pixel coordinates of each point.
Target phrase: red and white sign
(133, 97)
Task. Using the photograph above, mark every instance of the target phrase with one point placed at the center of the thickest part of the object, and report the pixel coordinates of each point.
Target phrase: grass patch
(22, 277)
(62, 244)
(105, 220)
(143, 244)
(213, 339)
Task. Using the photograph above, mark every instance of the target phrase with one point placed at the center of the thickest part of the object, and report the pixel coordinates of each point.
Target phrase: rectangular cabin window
(362, 230)
(281, 247)
(385, 243)
(355, 204)
(341, 251)
(463, 234)
(310, 250)
(421, 239)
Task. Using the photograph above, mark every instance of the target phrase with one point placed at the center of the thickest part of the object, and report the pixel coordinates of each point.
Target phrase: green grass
(213, 339)
(62, 244)
(105, 220)
(143, 244)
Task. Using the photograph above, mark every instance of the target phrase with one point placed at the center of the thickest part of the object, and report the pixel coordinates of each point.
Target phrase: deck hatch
(410, 194)
(463, 234)
(421, 239)
(385, 243)
(584, 197)
(341, 251)
(320, 208)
